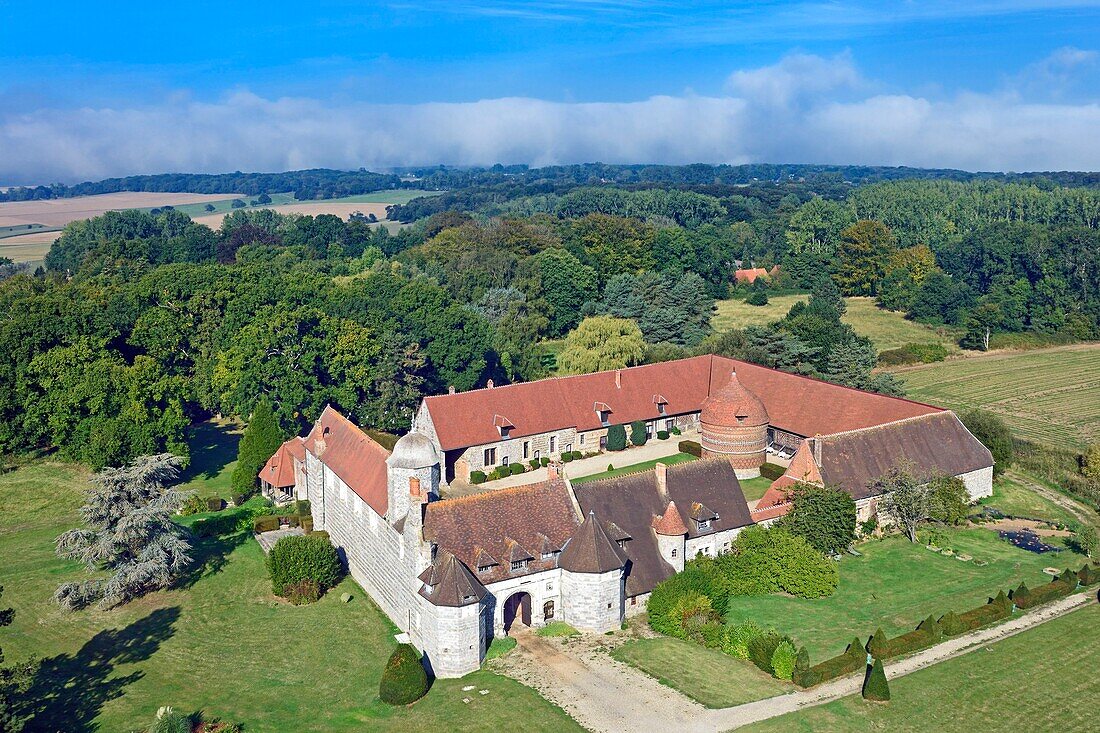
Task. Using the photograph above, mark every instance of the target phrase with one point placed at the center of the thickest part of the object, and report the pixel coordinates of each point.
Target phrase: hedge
(477, 477)
(762, 649)
(616, 438)
(981, 616)
(662, 435)
(690, 447)
(404, 680)
(304, 557)
(772, 471)
(853, 659)
(637, 433)
(1024, 598)
(215, 504)
(1088, 575)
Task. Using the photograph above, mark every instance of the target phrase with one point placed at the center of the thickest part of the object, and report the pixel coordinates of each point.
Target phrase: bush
(304, 591)
(824, 515)
(221, 524)
(477, 477)
(762, 649)
(240, 499)
(1044, 594)
(876, 645)
(266, 523)
(577, 455)
(516, 469)
(616, 438)
(193, 505)
(875, 686)
(544, 461)
(611, 467)
(307, 524)
(697, 579)
(1088, 575)
(931, 627)
(757, 297)
(951, 624)
(854, 658)
(736, 643)
(783, 660)
(214, 504)
(913, 354)
(637, 433)
(304, 557)
(764, 561)
(690, 447)
(772, 471)
(566, 457)
(981, 616)
(676, 431)
(534, 463)
(404, 680)
(171, 721)
(662, 435)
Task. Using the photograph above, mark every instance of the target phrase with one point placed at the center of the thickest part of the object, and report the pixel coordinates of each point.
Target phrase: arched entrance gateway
(517, 608)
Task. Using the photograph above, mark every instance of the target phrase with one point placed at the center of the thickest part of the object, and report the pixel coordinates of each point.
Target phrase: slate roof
(279, 469)
(353, 456)
(591, 549)
(447, 582)
(797, 404)
(633, 501)
(931, 445)
(505, 524)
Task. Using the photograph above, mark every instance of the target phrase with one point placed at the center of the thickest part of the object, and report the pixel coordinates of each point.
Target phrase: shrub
(534, 463)
(171, 721)
(214, 504)
(783, 660)
(307, 524)
(240, 499)
(772, 471)
(577, 455)
(304, 591)
(951, 624)
(762, 649)
(662, 435)
(696, 579)
(221, 524)
(266, 523)
(854, 658)
(637, 433)
(824, 515)
(801, 664)
(404, 680)
(913, 354)
(566, 457)
(611, 467)
(477, 477)
(690, 447)
(736, 643)
(1045, 593)
(544, 461)
(516, 469)
(193, 505)
(981, 616)
(994, 434)
(931, 627)
(1088, 575)
(764, 561)
(757, 297)
(875, 686)
(616, 438)
(676, 431)
(302, 507)
(304, 557)
(876, 645)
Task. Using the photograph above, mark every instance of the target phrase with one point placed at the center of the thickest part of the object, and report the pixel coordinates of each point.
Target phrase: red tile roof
(279, 469)
(670, 523)
(797, 404)
(353, 456)
(749, 275)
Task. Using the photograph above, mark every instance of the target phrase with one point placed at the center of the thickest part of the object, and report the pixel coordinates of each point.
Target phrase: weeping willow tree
(129, 535)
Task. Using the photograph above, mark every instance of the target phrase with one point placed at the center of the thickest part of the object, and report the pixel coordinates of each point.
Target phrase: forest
(142, 323)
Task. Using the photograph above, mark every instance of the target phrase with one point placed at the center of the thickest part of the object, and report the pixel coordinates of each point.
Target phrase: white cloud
(803, 109)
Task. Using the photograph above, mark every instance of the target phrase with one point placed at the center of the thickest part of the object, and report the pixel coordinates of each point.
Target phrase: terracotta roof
(279, 469)
(931, 445)
(633, 501)
(498, 523)
(733, 405)
(591, 550)
(749, 275)
(802, 466)
(797, 404)
(670, 523)
(353, 456)
(447, 582)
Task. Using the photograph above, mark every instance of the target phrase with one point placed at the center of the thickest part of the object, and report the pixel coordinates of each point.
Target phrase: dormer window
(519, 565)
(603, 412)
(484, 568)
(548, 556)
(704, 524)
(622, 544)
(660, 408)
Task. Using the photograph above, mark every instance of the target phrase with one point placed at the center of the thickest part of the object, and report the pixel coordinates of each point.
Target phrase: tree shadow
(69, 691)
(213, 446)
(209, 556)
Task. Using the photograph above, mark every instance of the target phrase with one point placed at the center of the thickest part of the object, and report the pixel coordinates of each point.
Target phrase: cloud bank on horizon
(804, 109)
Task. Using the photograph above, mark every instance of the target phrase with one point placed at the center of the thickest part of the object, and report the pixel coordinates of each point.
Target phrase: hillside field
(1049, 396)
(886, 329)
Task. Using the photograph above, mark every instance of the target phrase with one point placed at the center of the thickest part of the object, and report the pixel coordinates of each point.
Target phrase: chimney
(490, 384)
(451, 389)
(661, 470)
(618, 379)
(552, 472)
(414, 487)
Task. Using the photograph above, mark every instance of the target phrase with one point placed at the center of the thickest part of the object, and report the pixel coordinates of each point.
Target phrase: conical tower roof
(591, 549)
(734, 405)
(670, 524)
(447, 582)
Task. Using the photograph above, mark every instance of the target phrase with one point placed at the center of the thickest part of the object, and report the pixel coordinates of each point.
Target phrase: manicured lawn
(635, 467)
(220, 643)
(887, 329)
(1016, 499)
(715, 679)
(1041, 680)
(1048, 396)
(213, 446)
(896, 584)
(754, 488)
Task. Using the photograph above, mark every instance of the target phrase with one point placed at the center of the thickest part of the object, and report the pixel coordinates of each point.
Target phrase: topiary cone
(875, 686)
(876, 645)
(404, 680)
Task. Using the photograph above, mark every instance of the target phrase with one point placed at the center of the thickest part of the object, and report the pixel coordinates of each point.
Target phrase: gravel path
(607, 696)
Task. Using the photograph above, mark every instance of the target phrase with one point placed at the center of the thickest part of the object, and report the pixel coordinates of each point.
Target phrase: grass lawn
(895, 585)
(213, 446)
(1041, 680)
(1014, 498)
(220, 643)
(715, 679)
(395, 196)
(635, 467)
(1048, 396)
(887, 329)
(754, 488)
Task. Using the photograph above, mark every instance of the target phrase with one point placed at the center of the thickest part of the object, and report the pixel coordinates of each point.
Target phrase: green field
(715, 679)
(220, 643)
(754, 488)
(886, 329)
(1049, 396)
(1043, 679)
(1013, 497)
(671, 460)
(213, 447)
(392, 196)
(895, 585)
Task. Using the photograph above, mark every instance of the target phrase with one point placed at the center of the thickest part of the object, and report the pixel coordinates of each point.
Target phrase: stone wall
(712, 544)
(594, 602)
(455, 635)
(979, 484)
(545, 586)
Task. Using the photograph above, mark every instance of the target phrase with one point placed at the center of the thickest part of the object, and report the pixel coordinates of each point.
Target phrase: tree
(130, 534)
(404, 680)
(565, 284)
(637, 432)
(875, 686)
(758, 294)
(209, 207)
(949, 501)
(616, 438)
(825, 516)
(238, 204)
(904, 500)
(1087, 540)
(600, 343)
(994, 434)
(864, 254)
(261, 439)
(1091, 465)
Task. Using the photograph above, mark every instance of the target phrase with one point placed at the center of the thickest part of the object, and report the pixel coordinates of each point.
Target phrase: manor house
(455, 571)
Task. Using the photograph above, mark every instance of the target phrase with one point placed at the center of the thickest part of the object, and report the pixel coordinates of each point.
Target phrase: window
(649, 430)
(605, 416)
(484, 568)
(622, 544)
(548, 610)
(568, 447)
(553, 444)
(526, 449)
(660, 408)
(504, 430)
(537, 454)
(550, 586)
(548, 555)
(670, 424)
(704, 524)
(603, 442)
(490, 456)
(674, 552)
(504, 461)
(581, 440)
(519, 564)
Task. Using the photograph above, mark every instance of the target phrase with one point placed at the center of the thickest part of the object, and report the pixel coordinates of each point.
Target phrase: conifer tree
(875, 686)
(261, 439)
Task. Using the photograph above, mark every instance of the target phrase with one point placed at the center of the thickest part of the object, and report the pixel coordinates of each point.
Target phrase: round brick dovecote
(733, 424)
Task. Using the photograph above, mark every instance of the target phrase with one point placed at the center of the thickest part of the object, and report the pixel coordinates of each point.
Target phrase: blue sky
(93, 89)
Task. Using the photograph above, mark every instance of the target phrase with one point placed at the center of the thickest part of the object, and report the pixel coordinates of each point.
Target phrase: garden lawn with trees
(1020, 683)
(220, 641)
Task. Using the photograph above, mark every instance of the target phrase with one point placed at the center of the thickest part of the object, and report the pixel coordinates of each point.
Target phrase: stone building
(454, 573)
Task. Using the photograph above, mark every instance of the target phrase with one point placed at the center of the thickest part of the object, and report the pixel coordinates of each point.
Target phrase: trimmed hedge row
(1059, 588)
(772, 471)
(852, 660)
(690, 447)
(271, 522)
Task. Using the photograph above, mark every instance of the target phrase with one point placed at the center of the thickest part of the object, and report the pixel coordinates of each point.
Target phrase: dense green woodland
(142, 323)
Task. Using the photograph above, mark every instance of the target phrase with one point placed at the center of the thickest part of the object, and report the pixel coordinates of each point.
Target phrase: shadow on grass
(213, 447)
(210, 554)
(69, 691)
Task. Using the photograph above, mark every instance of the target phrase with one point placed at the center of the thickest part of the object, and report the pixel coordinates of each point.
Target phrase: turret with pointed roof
(591, 549)
(593, 576)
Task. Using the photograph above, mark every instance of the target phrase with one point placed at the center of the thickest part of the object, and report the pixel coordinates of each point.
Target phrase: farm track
(1072, 506)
